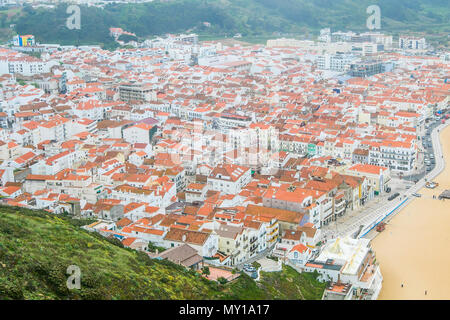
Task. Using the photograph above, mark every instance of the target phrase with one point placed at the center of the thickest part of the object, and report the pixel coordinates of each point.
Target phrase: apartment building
(57, 128)
(139, 133)
(26, 66)
(57, 163)
(336, 62)
(396, 155)
(231, 240)
(326, 191)
(379, 38)
(137, 92)
(412, 43)
(378, 177)
(366, 68)
(226, 121)
(288, 198)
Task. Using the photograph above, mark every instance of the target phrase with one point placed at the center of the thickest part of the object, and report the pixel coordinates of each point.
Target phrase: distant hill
(228, 17)
(36, 248)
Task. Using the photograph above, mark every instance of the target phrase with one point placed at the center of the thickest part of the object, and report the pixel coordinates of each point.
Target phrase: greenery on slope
(36, 248)
(251, 18)
(7, 17)
(285, 285)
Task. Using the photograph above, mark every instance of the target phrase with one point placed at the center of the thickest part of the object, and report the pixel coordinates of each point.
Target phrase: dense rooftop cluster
(232, 150)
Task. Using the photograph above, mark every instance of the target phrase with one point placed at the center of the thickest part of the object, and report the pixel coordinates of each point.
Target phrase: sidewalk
(373, 212)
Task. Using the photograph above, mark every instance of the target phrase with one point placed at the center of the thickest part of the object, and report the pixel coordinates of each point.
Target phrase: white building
(229, 178)
(347, 260)
(195, 192)
(335, 62)
(205, 243)
(26, 66)
(139, 133)
(412, 43)
(56, 163)
(325, 35)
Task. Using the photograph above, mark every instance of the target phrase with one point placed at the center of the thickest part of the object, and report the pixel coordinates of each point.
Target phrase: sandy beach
(414, 249)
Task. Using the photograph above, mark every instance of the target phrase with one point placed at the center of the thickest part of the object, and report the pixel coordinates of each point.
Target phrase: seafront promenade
(413, 250)
(380, 211)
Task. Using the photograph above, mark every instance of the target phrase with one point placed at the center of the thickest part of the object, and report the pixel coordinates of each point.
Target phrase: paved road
(354, 224)
(427, 150)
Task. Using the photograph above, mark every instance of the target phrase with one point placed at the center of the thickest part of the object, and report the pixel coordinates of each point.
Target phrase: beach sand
(414, 249)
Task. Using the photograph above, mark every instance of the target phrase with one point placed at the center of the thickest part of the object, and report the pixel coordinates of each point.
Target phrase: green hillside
(36, 248)
(251, 18)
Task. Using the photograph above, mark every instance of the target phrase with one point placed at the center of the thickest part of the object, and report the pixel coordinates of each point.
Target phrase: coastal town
(229, 156)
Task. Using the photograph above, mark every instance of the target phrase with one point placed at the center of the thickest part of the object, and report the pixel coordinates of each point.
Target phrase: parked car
(250, 269)
(395, 195)
(418, 195)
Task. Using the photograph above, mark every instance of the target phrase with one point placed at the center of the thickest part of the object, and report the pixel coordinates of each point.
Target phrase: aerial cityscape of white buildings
(234, 150)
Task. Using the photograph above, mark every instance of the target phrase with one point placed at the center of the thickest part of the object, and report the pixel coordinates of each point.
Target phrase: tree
(222, 280)
(205, 271)
(127, 38)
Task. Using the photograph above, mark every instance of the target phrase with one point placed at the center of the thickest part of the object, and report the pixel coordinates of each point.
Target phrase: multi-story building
(56, 163)
(379, 38)
(25, 65)
(336, 62)
(231, 244)
(229, 178)
(325, 35)
(195, 192)
(24, 41)
(226, 121)
(137, 92)
(412, 43)
(378, 177)
(397, 156)
(139, 133)
(366, 68)
(293, 199)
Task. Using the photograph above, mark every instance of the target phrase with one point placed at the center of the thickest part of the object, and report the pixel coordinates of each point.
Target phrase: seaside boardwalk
(413, 251)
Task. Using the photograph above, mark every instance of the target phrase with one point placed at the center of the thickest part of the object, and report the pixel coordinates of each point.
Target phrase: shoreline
(413, 250)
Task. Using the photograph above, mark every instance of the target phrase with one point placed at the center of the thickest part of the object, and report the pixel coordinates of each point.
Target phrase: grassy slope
(254, 19)
(285, 285)
(36, 248)
(8, 16)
